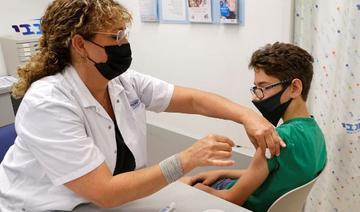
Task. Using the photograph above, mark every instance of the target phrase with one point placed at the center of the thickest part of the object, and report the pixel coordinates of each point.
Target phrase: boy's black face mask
(119, 60)
(271, 108)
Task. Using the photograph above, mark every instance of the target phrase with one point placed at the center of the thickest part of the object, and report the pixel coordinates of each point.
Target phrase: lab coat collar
(115, 86)
(86, 99)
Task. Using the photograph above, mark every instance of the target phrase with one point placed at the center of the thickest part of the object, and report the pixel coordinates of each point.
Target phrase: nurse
(81, 125)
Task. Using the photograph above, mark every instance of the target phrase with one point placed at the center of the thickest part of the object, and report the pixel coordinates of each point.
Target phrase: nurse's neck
(94, 81)
(97, 85)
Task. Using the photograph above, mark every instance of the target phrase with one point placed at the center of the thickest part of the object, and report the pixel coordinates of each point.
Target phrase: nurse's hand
(213, 150)
(262, 134)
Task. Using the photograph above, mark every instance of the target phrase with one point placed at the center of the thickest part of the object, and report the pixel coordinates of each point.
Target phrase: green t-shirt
(302, 160)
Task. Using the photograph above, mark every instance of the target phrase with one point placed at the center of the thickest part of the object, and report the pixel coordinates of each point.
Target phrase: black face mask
(271, 108)
(119, 60)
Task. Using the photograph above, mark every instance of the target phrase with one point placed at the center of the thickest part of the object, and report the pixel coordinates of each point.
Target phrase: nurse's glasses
(119, 36)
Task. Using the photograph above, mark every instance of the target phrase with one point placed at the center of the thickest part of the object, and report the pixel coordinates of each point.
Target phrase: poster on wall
(149, 10)
(173, 11)
(229, 11)
(200, 11)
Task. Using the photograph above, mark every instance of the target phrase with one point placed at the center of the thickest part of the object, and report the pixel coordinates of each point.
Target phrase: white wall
(18, 12)
(208, 57)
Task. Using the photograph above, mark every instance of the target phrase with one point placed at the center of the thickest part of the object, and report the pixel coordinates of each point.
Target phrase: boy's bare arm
(222, 173)
(249, 181)
(236, 173)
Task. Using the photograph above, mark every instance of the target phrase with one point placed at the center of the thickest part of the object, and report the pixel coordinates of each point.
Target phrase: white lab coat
(64, 133)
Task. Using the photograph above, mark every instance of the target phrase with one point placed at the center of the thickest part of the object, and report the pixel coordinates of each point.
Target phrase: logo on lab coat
(134, 104)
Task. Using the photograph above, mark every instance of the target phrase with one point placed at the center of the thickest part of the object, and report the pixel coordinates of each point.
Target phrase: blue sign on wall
(32, 28)
(352, 128)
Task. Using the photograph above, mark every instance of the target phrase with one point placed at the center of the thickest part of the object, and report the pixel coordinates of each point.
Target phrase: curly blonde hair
(62, 20)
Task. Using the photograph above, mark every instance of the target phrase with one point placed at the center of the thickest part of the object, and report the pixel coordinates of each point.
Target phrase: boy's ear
(296, 88)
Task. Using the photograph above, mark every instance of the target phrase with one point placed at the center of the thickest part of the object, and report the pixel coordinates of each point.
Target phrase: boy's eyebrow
(262, 83)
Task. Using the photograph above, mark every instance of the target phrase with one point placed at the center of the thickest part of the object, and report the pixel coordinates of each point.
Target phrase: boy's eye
(113, 37)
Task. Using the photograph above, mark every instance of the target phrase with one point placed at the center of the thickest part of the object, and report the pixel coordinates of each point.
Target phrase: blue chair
(7, 138)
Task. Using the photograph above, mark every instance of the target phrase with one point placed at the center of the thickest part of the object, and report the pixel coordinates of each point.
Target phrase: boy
(283, 74)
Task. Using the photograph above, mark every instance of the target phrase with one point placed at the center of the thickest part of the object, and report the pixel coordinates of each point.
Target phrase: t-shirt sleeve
(274, 162)
(55, 134)
(154, 93)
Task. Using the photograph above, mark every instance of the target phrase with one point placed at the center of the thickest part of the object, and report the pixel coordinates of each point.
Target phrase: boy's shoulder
(300, 135)
(301, 125)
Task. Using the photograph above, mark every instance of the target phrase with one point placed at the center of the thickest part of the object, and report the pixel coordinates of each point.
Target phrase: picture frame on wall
(149, 10)
(173, 11)
(229, 13)
(200, 11)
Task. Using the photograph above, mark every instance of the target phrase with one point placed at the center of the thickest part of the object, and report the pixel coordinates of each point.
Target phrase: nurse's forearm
(107, 191)
(134, 185)
(212, 105)
(187, 100)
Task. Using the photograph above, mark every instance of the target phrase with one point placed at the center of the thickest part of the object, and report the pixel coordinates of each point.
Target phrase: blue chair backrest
(7, 138)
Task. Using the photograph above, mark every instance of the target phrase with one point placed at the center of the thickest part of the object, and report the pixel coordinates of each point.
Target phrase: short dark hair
(285, 61)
